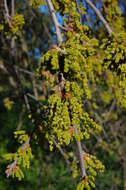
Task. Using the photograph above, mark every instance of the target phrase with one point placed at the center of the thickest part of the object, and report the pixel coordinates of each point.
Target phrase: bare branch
(102, 19)
(6, 7)
(25, 71)
(7, 16)
(32, 96)
(34, 86)
(64, 28)
(12, 7)
(80, 152)
(53, 14)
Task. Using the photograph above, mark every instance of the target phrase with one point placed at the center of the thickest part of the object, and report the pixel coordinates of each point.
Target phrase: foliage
(83, 94)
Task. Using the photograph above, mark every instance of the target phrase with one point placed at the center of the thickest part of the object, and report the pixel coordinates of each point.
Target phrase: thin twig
(32, 96)
(35, 90)
(25, 71)
(7, 16)
(12, 7)
(102, 19)
(53, 14)
(64, 28)
(80, 152)
(6, 7)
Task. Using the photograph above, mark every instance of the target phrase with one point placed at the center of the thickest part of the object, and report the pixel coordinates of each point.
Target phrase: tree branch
(12, 7)
(80, 152)
(25, 71)
(7, 16)
(11, 167)
(101, 18)
(35, 90)
(6, 7)
(60, 40)
(53, 15)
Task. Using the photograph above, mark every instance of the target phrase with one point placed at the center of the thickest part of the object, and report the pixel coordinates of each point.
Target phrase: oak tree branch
(53, 15)
(100, 16)
(60, 40)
